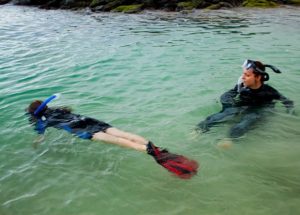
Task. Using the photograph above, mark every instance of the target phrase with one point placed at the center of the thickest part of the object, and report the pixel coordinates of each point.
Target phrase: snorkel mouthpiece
(44, 103)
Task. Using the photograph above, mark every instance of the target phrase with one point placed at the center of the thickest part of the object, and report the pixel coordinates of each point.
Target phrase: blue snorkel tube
(44, 103)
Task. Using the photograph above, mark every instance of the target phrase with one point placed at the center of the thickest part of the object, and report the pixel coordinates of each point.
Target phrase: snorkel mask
(44, 103)
(250, 64)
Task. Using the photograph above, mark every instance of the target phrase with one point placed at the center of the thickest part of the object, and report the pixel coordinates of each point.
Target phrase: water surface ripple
(156, 74)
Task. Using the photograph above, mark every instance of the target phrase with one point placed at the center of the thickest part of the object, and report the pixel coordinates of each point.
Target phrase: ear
(258, 78)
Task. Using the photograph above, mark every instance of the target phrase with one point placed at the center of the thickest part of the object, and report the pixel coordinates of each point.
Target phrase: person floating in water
(247, 99)
(42, 117)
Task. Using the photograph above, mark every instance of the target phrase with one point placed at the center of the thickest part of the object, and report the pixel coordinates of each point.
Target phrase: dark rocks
(135, 6)
(4, 1)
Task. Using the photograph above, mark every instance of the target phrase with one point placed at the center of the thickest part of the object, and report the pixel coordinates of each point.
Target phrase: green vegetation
(259, 3)
(125, 6)
(214, 7)
(95, 3)
(294, 2)
(128, 8)
(187, 5)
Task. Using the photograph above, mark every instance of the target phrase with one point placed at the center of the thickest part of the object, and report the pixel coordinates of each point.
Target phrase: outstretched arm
(228, 99)
(286, 102)
(40, 127)
(289, 104)
(38, 140)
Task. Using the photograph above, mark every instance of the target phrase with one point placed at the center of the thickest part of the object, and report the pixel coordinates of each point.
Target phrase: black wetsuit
(83, 127)
(247, 102)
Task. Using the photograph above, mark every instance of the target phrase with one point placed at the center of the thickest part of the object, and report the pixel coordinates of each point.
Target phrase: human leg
(177, 164)
(108, 138)
(243, 126)
(126, 135)
(213, 119)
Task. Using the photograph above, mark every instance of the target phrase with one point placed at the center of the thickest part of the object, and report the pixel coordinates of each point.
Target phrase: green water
(155, 74)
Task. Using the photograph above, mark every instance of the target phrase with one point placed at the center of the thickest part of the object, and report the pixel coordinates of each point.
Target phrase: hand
(291, 111)
(202, 127)
(38, 141)
(225, 143)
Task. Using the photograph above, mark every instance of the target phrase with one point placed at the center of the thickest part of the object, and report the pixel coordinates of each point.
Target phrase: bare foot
(194, 135)
(225, 143)
(38, 141)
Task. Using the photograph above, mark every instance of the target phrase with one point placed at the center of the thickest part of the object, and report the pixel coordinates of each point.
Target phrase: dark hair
(259, 65)
(34, 105)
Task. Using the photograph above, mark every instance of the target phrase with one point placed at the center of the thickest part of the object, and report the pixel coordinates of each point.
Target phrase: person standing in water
(247, 98)
(42, 117)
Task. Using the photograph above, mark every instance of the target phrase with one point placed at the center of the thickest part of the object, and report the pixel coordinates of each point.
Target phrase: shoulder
(58, 110)
(267, 87)
(271, 92)
(235, 88)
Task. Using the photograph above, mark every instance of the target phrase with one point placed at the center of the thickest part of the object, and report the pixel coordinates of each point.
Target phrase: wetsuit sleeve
(228, 99)
(289, 104)
(63, 110)
(40, 126)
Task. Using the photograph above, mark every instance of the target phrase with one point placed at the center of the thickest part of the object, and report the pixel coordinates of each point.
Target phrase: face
(250, 80)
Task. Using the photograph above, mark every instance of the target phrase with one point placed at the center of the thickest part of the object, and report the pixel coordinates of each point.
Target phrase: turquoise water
(155, 74)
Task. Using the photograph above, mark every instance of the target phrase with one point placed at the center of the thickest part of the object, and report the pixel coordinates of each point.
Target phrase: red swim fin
(181, 166)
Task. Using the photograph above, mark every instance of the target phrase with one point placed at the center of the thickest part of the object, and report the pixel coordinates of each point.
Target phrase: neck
(256, 86)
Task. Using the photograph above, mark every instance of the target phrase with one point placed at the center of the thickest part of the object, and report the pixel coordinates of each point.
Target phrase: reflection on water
(156, 74)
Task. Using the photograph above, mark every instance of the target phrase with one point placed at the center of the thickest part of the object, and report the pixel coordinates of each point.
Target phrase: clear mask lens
(248, 64)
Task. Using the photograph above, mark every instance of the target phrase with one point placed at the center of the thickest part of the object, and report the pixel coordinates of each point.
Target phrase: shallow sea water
(155, 74)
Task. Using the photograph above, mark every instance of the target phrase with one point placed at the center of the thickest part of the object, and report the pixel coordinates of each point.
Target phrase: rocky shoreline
(136, 6)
